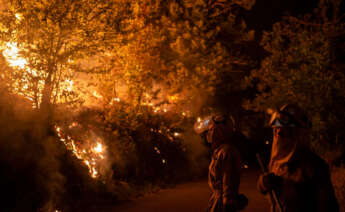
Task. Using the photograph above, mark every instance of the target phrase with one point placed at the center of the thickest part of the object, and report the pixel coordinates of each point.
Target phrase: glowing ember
(116, 99)
(157, 150)
(74, 124)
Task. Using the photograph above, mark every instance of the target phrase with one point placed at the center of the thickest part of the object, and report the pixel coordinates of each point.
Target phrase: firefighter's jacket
(224, 178)
(302, 181)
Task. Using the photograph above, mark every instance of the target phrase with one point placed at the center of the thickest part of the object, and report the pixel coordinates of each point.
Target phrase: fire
(91, 155)
(74, 124)
(97, 95)
(22, 86)
(98, 148)
(69, 85)
(116, 99)
(173, 98)
(11, 54)
(18, 16)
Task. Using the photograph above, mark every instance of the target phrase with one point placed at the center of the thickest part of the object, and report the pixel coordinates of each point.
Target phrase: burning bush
(145, 147)
(38, 172)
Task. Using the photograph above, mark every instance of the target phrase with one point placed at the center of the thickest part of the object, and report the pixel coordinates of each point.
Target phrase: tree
(47, 41)
(305, 67)
(168, 60)
(173, 47)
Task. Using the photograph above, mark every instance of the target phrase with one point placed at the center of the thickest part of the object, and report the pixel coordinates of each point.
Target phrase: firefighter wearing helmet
(225, 166)
(300, 178)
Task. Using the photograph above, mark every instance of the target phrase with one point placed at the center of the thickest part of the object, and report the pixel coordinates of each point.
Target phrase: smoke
(37, 172)
(30, 176)
(197, 152)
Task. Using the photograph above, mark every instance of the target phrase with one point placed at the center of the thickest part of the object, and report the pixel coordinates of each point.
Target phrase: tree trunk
(46, 107)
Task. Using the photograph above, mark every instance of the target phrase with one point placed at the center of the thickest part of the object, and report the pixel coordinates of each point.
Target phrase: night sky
(266, 12)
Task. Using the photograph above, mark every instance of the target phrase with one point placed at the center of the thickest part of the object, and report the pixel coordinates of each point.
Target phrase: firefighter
(300, 178)
(224, 169)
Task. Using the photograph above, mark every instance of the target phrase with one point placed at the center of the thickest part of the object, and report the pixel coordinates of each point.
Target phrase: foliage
(170, 49)
(50, 38)
(168, 57)
(305, 67)
(156, 61)
(147, 147)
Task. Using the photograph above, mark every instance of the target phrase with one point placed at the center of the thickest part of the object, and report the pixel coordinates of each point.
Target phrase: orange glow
(11, 54)
(97, 95)
(69, 85)
(23, 85)
(173, 98)
(18, 16)
(91, 156)
(98, 148)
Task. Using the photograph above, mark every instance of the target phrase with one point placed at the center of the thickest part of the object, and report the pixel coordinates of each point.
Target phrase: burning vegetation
(100, 98)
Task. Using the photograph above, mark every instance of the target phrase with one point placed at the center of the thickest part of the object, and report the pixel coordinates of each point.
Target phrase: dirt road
(192, 197)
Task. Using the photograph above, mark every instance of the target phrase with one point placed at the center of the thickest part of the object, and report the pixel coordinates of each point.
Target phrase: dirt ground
(192, 197)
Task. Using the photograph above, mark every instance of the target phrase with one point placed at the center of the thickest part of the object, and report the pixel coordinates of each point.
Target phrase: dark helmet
(289, 115)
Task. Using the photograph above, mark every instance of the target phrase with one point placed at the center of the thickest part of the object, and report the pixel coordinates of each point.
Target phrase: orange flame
(91, 157)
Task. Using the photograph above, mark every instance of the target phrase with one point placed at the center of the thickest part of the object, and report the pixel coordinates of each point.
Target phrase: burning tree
(154, 59)
(45, 42)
